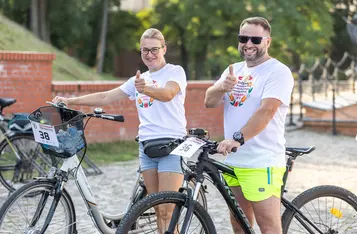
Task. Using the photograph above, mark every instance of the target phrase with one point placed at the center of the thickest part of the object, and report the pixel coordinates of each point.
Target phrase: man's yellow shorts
(257, 184)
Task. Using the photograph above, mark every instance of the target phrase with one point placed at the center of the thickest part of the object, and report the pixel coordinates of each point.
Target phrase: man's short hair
(257, 21)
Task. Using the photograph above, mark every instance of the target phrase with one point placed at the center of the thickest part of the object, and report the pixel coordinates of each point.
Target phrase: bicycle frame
(214, 170)
(98, 217)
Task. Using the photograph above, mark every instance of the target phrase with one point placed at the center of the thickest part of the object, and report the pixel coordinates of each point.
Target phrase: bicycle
(53, 209)
(21, 157)
(296, 215)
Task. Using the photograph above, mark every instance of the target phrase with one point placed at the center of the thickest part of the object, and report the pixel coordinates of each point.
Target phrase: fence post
(334, 130)
(353, 67)
(291, 123)
(300, 95)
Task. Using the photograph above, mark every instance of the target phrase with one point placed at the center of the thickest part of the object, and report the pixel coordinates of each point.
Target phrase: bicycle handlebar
(98, 113)
(117, 118)
(210, 145)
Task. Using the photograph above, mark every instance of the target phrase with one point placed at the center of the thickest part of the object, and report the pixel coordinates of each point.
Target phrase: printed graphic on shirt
(241, 91)
(143, 100)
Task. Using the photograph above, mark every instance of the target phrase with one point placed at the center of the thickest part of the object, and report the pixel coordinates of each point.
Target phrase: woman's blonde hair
(153, 33)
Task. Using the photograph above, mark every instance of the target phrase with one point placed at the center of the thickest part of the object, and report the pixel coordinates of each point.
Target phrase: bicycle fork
(190, 207)
(56, 198)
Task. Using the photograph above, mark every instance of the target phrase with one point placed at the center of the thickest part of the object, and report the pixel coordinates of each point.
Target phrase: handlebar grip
(117, 118)
(61, 104)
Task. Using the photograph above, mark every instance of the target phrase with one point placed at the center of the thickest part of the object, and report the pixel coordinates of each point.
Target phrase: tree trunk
(200, 58)
(44, 34)
(184, 53)
(35, 18)
(102, 41)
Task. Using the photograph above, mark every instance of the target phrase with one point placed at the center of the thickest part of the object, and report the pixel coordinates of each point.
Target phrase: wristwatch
(238, 136)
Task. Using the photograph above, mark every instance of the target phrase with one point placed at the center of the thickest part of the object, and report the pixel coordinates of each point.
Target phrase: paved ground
(333, 162)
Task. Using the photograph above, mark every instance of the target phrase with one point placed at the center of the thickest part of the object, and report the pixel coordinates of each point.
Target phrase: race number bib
(44, 134)
(189, 147)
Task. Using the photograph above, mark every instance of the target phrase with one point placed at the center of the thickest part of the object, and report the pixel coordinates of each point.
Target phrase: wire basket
(68, 127)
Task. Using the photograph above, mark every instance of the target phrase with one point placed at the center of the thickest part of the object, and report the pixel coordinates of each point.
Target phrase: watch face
(237, 136)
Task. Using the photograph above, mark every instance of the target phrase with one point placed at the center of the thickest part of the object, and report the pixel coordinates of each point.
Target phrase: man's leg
(262, 187)
(245, 205)
(267, 213)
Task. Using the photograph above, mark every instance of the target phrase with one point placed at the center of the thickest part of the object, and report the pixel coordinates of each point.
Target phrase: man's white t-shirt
(160, 119)
(271, 79)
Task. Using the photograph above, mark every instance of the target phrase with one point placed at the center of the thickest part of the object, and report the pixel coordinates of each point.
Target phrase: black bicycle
(322, 209)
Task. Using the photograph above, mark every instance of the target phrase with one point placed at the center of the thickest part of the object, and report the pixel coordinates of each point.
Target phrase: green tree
(341, 41)
(206, 30)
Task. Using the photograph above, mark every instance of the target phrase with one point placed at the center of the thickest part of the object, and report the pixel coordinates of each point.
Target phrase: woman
(159, 96)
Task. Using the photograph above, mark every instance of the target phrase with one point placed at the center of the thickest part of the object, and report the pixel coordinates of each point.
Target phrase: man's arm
(165, 94)
(214, 96)
(255, 125)
(261, 118)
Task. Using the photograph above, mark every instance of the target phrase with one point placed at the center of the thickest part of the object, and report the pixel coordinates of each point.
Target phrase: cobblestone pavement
(333, 162)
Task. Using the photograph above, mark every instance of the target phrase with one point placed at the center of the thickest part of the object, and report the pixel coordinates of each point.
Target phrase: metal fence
(324, 79)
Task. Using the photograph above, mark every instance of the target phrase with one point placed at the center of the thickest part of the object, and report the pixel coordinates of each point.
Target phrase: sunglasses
(254, 40)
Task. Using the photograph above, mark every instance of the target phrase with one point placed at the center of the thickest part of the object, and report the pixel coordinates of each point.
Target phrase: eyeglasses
(153, 50)
(254, 40)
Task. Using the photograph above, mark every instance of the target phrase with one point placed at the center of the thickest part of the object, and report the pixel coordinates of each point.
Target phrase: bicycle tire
(30, 190)
(317, 192)
(36, 165)
(192, 183)
(152, 200)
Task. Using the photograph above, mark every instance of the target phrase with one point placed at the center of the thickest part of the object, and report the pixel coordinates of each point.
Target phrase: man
(256, 95)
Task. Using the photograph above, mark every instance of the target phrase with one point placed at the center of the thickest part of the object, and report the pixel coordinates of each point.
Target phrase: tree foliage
(202, 32)
(208, 29)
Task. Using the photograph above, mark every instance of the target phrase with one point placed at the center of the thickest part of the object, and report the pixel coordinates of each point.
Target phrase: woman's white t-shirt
(160, 119)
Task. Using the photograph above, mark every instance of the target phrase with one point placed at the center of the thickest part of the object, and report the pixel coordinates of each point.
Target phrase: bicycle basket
(68, 129)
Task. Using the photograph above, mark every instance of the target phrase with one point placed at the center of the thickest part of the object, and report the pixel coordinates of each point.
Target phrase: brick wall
(98, 130)
(27, 76)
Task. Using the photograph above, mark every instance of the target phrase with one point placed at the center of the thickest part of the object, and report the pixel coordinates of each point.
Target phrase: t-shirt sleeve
(179, 76)
(279, 85)
(129, 88)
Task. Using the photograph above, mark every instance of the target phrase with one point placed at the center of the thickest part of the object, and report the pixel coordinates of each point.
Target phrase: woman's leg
(151, 180)
(170, 179)
(148, 167)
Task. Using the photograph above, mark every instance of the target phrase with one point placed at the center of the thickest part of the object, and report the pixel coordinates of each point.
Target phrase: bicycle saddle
(300, 151)
(4, 102)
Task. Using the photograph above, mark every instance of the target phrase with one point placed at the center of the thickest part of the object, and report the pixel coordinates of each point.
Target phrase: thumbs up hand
(228, 84)
(139, 83)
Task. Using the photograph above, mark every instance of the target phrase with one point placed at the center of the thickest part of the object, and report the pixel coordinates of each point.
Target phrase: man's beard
(258, 54)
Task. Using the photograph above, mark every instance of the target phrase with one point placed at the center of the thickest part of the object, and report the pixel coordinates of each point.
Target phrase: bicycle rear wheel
(30, 161)
(26, 210)
(332, 209)
(142, 218)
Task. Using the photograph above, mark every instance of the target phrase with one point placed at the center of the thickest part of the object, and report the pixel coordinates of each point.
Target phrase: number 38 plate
(189, 147)
(44, 134)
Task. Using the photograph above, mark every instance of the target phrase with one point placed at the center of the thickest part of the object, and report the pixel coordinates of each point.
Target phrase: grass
(106, 153)
(14, 37)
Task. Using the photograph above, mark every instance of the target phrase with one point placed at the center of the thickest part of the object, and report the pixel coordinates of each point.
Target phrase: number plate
(189, 147)
(44, 134)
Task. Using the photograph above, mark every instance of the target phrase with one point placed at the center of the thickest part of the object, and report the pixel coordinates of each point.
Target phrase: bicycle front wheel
(21, 160)
(26, 210)
(142, 218)
(330, 208)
